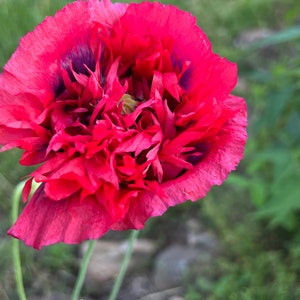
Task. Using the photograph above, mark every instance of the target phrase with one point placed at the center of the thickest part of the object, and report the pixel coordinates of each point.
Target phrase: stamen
(128, 104)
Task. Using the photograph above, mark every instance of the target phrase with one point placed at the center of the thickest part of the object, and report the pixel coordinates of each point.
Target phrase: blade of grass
(15, 242)
(284, 36)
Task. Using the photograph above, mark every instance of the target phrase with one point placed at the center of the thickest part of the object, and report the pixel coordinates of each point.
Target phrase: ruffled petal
(207, 75)
(44, 222)
(52, 41)
(222, 158)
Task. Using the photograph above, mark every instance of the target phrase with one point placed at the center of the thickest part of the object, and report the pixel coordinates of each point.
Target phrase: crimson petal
(54, 39)
(222, 158)
(44, 222)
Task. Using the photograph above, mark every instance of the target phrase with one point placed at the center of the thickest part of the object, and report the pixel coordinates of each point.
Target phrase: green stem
(125, 262)
(15, 242)
(83, 269)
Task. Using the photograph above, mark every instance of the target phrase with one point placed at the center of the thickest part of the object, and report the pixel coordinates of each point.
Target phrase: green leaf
(285, 199)
(258, 193)
(278, 157)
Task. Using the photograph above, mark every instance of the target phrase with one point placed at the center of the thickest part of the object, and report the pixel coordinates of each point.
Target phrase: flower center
(128, 104)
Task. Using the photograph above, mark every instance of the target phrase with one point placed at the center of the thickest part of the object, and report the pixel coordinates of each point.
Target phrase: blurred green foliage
(256, 213)
(19, 17)
(261, 238)
(273, 172)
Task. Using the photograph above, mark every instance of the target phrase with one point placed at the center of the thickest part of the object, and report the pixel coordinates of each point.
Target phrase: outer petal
(30, 80)
(44, 222)
(223, 157)
(16, 124)
(70, 28)
(208, 74)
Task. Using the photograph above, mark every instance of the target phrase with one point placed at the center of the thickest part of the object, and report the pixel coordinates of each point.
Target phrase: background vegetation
(255, 214)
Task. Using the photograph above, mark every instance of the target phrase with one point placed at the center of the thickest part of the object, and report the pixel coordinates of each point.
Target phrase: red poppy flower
(126, 110)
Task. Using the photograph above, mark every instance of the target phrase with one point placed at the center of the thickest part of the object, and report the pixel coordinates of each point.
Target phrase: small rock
(172, 264)
(3, 294)
(176, 298)
(137, 287)
(52, 296)
(169, 294)
(140, 286)
(106, 260)
(199, 237)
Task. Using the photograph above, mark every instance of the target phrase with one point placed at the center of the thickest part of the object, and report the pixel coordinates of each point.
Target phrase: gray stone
(171, 264)
(137, 286)
(52, 296)
(169, 294)
(106, 260)
(199, 237)
(3, 294)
